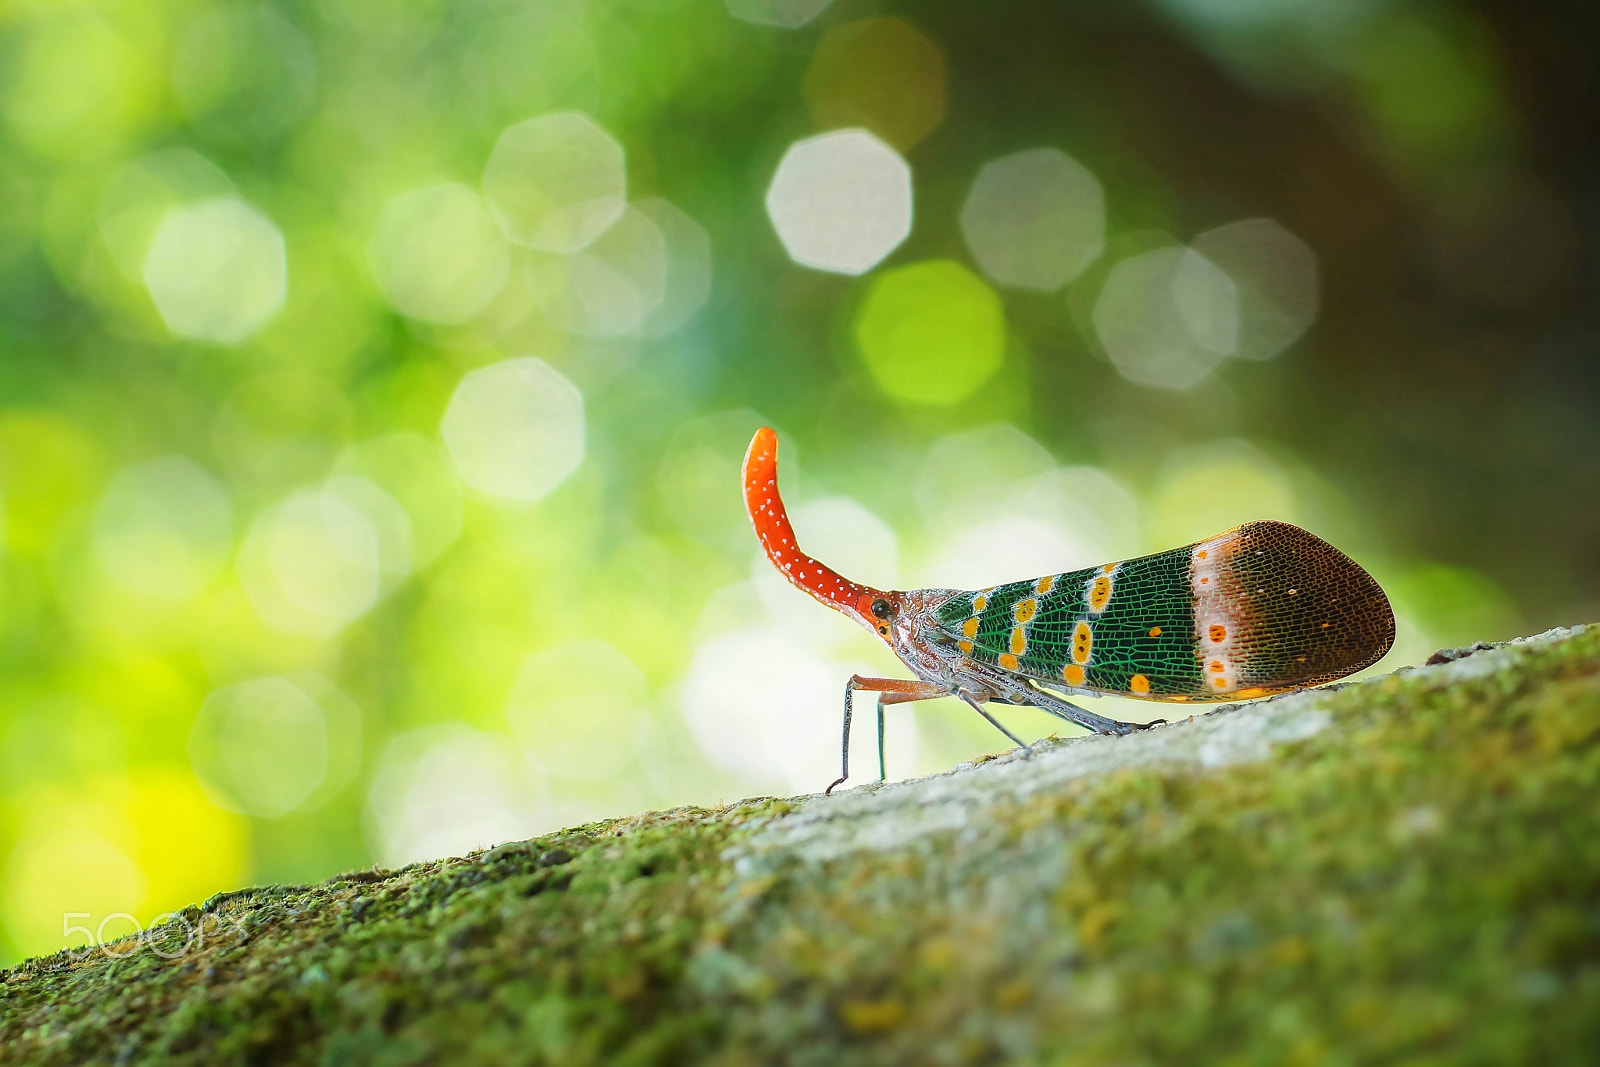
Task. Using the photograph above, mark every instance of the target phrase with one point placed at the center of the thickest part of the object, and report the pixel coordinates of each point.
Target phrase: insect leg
(1063, 709)
(977, 707)
(844, 745)
(892, 691)
(883, 775)
(898, 698)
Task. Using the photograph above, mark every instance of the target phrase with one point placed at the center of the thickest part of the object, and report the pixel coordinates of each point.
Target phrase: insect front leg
(891, 691)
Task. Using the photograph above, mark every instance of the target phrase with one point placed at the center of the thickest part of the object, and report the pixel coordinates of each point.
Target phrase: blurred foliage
(267, 611)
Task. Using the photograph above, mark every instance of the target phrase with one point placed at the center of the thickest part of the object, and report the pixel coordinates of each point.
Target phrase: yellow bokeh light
(82, 84)
(163, 529)
(188, 848)
(48, 467)
(880, 73)
(931, 332)
(112, 854)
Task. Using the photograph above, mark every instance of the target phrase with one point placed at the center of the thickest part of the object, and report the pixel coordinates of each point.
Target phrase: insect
(1262, 608)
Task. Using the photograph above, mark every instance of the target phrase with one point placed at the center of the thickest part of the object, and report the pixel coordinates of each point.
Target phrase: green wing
(1259, 609)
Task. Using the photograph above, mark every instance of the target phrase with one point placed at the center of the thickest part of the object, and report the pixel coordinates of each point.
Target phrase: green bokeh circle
(931, 332)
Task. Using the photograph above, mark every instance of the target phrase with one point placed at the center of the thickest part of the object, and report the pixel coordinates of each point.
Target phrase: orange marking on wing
(1073, 673)
(980, 602)
(1082, 642)
(1025, 610)
(1099, 594)
(1218, 632)
(1155, 631)
(1045, 584)
(1200, 554)
(1008, 661)
(1019, 641)
(965, 647)
(1139, 684)
(1217, 667)
(970, 627)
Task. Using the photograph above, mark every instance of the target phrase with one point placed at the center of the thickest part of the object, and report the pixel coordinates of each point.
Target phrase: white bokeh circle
(217, 270)
(1034, 219)
(515, 429)
(438, 254)
(841, 201)
(556, 182)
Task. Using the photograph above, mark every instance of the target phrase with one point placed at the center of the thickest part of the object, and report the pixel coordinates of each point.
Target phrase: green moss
(1404, 869)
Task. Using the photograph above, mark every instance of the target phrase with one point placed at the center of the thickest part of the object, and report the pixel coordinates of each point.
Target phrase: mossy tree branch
(1403, 868)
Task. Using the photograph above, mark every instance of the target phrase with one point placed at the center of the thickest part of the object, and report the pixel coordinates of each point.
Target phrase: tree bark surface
(1399, 869)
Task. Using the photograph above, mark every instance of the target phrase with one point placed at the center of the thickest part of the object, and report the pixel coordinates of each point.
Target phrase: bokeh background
(374, 379)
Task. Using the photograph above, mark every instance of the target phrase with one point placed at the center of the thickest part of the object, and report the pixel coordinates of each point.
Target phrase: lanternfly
(1262, 608)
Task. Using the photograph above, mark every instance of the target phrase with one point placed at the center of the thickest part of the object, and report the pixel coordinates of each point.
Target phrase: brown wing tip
(1319, 615)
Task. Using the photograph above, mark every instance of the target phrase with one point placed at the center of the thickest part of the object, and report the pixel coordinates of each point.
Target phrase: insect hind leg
(1065, 709)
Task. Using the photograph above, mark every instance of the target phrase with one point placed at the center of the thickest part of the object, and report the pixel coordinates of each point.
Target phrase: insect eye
(881, 608)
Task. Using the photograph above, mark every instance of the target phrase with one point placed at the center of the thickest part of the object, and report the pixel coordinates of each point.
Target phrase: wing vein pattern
(1262, 608)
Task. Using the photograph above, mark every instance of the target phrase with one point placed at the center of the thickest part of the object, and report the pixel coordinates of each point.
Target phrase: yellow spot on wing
(1082, 642)
(1139, 684)
(1019, 641)
(1073, 673)
(1044, 585)
(1155, 631)
(1025, 610)
(1099, 594)
(965, 647)
(970, 627)
(1008, 661)
(980, 602)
